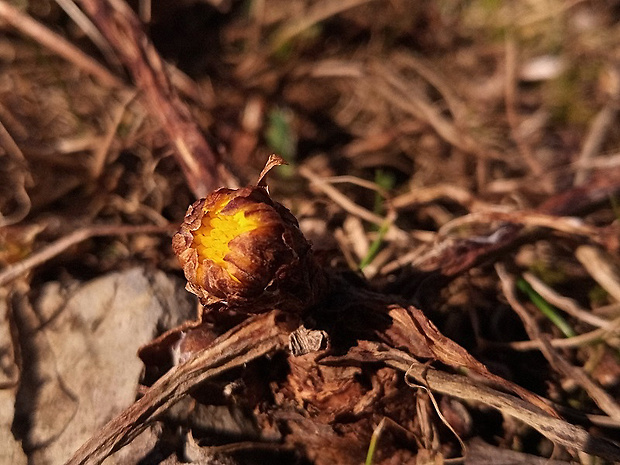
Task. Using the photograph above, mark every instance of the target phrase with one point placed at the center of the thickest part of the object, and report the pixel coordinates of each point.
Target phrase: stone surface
(85, 361)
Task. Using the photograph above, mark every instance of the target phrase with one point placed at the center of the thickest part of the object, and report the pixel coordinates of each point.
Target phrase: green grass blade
(546, 308)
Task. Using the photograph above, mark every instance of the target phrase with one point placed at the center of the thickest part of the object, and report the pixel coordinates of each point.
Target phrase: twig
(56, 248)
(319, 12)
(461, 387)
(254, 338)
(123, 30)
(568, 305)
(600, 334)
(57, 44)
(602, 269)
(605, 401)
(510, 98)
(22, 199)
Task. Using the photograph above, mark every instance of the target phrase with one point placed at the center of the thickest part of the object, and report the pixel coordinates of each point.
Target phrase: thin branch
(461, 387)
(57, 44)
(56, 248)
(122, 29)
(568, 305)
(19, 175)
(254, 338)
(605, 401)
(601, 267)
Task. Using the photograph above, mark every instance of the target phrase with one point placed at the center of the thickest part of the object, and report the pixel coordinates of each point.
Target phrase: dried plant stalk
(122, 28)
(257, 336)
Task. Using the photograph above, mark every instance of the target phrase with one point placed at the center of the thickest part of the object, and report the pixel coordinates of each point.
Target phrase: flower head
(240, 247)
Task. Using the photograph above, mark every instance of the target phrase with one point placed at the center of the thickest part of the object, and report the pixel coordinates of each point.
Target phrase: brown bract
(270, 265)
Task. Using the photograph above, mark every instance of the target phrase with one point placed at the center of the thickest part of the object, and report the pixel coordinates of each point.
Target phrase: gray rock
(86, 366)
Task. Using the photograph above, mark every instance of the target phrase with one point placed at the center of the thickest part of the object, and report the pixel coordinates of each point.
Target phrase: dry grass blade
(510, 89)
(600, 127)
(602, 268)
(605, 401)
(481, 453)
(56, 248)
(429, 194)
(90, 30)
(603, 122)
(101, 152)
(359, 182)
(457, 108)
(452, 255)
(610, 330)
(401, 93)
(599, 163)
(121, 27)
(568, 305)
(257, 336)
(57, 44)
(22, 199)
(570, 225)
(339, 198)
(319, 12)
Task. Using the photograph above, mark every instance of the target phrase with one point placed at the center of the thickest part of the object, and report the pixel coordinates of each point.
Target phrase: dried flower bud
(240, 247)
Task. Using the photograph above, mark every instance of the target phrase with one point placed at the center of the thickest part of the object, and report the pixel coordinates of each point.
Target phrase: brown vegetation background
(462, 156)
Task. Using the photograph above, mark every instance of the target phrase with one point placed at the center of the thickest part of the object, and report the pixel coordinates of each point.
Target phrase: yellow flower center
(213, 237)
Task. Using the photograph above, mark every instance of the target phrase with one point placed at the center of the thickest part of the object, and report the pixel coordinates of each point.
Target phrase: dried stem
(22, 199)
(56, 248)
(555, 429)
(598, 395)
(57, 44)
(568, 305)
(257, 336)
(122, 28)
(601, 334)
(511, 114)
(601, 267)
